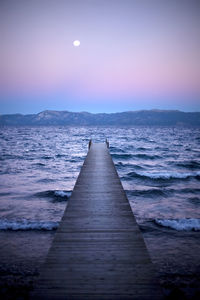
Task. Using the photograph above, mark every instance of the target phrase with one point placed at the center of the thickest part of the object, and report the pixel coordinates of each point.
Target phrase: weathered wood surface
(98, 251)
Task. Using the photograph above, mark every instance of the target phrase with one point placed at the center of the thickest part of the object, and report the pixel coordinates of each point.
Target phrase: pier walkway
(98, 251)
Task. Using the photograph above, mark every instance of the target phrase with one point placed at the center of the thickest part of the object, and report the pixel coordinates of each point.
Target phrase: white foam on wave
(27, 225)
(62, 194)
(180, 224)
(170, 175)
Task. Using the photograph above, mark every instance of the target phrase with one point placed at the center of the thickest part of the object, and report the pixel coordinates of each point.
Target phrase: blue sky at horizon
(134, 54)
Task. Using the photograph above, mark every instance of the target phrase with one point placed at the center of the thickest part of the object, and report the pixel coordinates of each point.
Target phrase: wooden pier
(98, 251)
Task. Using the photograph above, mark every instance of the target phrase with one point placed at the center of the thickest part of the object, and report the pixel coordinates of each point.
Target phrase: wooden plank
(98, 251)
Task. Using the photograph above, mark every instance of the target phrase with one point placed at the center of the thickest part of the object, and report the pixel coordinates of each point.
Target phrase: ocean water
(160, 171)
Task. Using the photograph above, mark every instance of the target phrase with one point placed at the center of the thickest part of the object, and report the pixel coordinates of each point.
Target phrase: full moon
(76, 43)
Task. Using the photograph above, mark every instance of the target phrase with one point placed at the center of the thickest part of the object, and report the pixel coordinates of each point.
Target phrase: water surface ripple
(159, 169)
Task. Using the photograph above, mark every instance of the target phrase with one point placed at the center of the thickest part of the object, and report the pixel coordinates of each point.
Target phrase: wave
(46, 180)
(62, 194)
(120, 164)
(60, 155)
(115, 149)
(166, 193)
(180, 224)
(189, 190)
(76, 160)
(3, 194)
(165, 175)
(138, 155)
(11, 156)
(147, 156)
(24, 225)
(147, 193)
(143, 149)
(46, 157)
(188, 164)
(57, 195)
(121, 156)
(39, 165)
(194, 200)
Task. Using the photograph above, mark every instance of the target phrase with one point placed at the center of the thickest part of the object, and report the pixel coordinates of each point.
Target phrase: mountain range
(142, 117)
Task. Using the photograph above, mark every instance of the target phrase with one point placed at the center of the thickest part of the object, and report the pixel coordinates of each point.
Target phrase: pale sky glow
(134, 54)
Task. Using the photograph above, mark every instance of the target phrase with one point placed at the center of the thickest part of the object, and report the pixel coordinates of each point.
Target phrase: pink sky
(133, 55)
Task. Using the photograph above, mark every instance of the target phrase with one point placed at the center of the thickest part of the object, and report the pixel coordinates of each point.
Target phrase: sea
(159, 168)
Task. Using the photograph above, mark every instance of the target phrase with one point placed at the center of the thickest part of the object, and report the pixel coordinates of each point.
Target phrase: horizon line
(95, 113)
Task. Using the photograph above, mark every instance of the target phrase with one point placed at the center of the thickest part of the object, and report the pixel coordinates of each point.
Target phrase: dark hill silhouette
(142, 117)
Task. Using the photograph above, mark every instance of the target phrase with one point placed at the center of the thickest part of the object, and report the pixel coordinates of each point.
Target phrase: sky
(133, 54)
